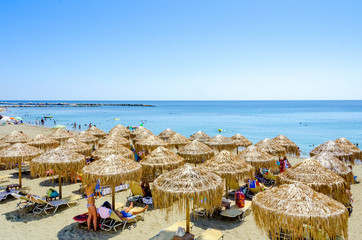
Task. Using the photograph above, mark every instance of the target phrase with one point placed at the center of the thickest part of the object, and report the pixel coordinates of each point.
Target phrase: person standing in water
(91, 206)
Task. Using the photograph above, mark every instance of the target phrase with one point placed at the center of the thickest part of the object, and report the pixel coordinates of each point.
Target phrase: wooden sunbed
(234, 211)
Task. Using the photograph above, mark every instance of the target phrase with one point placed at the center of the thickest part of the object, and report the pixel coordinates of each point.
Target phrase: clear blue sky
(180, 50)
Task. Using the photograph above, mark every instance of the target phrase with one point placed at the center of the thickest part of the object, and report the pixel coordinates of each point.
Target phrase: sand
(19, 224)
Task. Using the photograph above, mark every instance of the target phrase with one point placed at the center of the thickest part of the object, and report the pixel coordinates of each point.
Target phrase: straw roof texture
(271, 147)
(76, 146)
(329, 161)
(290, 147)
(121, 130)
(60, 134)
(160, 159)
(166, 134)
(240, 141)
(199, 136)
(150, 143)
(43, 142)
(176, 188)
(258, 158)
(104, 152)
(141, 135)
(3, 144)
(220, 142)
(112, 170)
(289, 208)
(313, 174)
(195, 152)
(16, 137)
(177, 140)
(19, 152)
(115, 143)
(86, 137)
(60, 160)
(335, 149)
(96, 132)
(357, 153)
(229, 166)
(115, 137)
(139, 130)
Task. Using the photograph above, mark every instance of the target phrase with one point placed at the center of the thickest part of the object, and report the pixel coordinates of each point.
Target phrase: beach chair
(24, 202)
(211, 234)
(236, 212)
(7, 193)
(168, 233)
(136, 192)
(115, 221)
(43, 206)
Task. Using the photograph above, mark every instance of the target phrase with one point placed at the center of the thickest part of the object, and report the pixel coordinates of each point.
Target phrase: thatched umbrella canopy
(116, 139)
(120, 130)
(177, 141)
(240, 141)
(16, 137)
(290, 208)
(229, 167)
(77, 146)
(62, 161)
(166, 134)
(150, 143)
(3, 144)
(357, 153)
(290, 147)
(139, 130)
(258, 158)
(61, 135)
(335, 149)
(177, 188)
(112, 170)
(87, 138)
(220, 143)
(43, 142)
(159, 160)
(96, 132)
(196, 152)
(141, 136)
(199, 136)
(104, 152)
(313, 174)
(17, 154)
(334, 164)
(271, 147)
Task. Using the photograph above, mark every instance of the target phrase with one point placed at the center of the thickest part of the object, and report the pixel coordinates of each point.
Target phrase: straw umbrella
(199, 136)
(96, 132)
(159, 160)
(334, 164)
(187, 186)
(271, 147)
(115, 143)
(112, 170)
(3, 144)
(60, 135)
(139, 130)
(166, 134)
(177, 141)
(43, 142)
(196, 152)
(258, 158)
(290, 208)
(150, 143)
(87, 138)
(240, 141)
(219, 143)
(141, 136)
(229, 167)
(290, 147)
(61, 161)
(313, 174)
(335, 149)
(18, 153)
(121, 130)
(16, 137)
(105, 152)
(77, 146)
(357, 153)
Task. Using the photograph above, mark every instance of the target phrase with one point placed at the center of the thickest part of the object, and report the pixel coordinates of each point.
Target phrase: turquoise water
(307, 123)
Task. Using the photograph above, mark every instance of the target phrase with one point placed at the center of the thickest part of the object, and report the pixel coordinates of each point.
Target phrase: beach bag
(147, 200)
(240, 199)
(180, 232)
(52, 193)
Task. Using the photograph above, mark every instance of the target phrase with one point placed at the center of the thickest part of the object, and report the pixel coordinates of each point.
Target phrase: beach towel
(104, 212)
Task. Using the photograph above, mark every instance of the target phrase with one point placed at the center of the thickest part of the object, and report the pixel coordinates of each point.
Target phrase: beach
(17, 224)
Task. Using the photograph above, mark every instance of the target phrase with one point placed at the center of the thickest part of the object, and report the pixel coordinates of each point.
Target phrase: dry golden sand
(17, 224)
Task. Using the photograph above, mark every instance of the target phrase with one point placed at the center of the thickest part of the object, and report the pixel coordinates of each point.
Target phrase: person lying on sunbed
(125, 214)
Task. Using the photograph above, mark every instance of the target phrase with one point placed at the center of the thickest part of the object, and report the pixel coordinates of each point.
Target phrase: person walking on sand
(91, 206)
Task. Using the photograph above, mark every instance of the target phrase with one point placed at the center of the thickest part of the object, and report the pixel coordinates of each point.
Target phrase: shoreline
(62, 104)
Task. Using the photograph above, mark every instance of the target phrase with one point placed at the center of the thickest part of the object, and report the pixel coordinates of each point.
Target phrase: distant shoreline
(62, 104)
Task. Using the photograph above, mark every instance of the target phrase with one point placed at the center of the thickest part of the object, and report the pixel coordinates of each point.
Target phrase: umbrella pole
(19, 166)
(113, 197)
(226, 189)
(60, 186)
(187, 216)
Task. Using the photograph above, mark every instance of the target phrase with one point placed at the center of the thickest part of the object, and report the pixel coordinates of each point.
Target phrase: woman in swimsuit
(92, 210)
(126, 214)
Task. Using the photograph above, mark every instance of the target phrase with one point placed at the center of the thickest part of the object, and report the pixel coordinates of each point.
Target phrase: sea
(307, 123)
